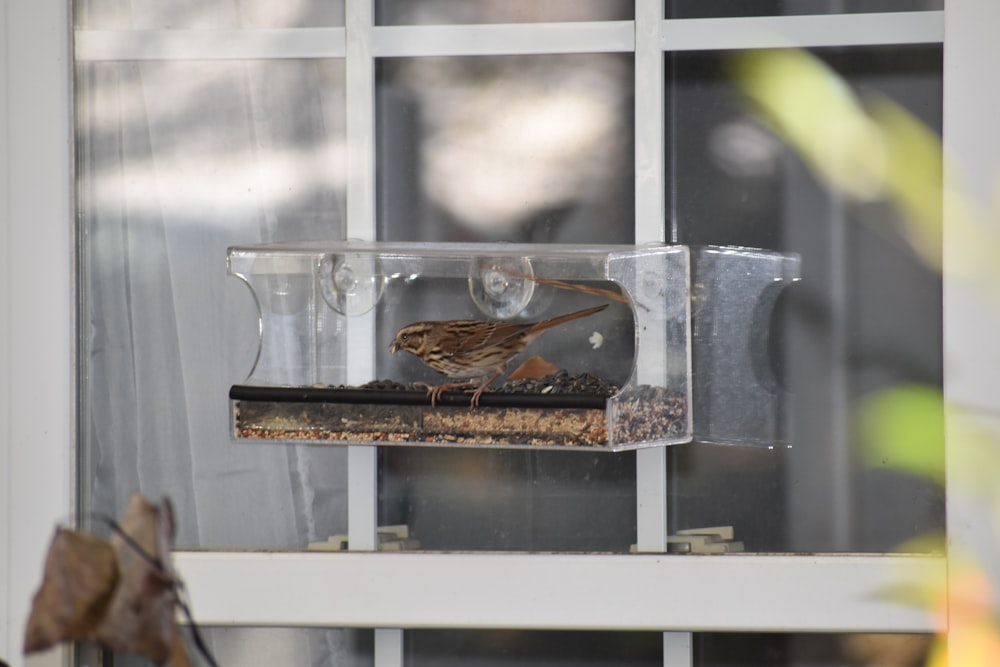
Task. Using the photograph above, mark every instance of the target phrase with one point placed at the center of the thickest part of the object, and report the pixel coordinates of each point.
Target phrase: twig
(178, 585)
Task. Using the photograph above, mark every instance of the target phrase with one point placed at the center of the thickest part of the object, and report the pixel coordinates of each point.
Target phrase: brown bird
(473, 349)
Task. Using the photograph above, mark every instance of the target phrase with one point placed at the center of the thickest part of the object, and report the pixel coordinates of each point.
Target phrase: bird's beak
(393, 347)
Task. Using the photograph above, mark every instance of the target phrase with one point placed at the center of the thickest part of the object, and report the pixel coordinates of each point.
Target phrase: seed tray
(395, 416)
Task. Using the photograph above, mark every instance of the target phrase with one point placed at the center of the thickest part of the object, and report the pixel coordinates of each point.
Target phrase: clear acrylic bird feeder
(616, 380)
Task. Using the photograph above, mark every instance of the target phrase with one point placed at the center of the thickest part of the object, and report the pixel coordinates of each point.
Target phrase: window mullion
(650, 227)
(362, 499)
(360, 113)
(651, 481)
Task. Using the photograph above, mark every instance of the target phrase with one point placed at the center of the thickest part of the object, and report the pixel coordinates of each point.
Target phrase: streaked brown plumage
(473, 350)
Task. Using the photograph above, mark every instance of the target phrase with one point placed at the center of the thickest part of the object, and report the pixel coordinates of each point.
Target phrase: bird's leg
(478, 391)
(435, 392)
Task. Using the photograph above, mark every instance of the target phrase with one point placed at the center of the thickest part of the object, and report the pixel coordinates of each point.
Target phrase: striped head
(412, 338)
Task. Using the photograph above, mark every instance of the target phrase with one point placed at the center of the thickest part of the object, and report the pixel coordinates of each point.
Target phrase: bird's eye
(404, 337)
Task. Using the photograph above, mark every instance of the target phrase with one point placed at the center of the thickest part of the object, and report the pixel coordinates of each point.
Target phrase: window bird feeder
(610, 367)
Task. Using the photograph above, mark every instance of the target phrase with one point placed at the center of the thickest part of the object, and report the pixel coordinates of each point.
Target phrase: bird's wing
(496, 333)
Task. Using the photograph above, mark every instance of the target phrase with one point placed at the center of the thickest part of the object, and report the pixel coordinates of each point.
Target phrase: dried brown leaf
(81, 573)
(121, 592)
(140, 618)
(533, 368)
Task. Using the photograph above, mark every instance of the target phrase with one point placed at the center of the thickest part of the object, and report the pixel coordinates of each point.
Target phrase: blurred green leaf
(815, 111)
(872, 149)
(914, 176)
(904, 428)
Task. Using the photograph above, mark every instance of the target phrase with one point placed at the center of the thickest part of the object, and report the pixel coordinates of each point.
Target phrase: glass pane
(434, 12)
(716, 649)
(510, 500)
(261, 647)
(533, 649)
(177, 161)
(689, 9)
(319, 647)
(506, 148)
(515, 148)
(315, 647)
(207, 14)
(866, 315)
(309, 647)
(495, 648)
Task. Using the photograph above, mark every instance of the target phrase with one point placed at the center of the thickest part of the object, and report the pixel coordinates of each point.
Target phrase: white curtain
(177, 161)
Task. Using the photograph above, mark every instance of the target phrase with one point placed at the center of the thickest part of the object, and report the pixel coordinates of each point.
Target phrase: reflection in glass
(270, 647)
(206, 14)
(511, 148)
(321, 647)
(514, 148)
(434, 12)
(596, 649)
(176, 162)
(179, 160)
(866, 315)
(689, 9)
(448, 648)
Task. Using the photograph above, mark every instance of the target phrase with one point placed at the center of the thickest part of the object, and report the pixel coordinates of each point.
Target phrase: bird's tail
(562, 319)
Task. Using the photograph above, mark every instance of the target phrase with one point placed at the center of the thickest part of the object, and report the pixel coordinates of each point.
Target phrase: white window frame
(37, 451)
(530, 591)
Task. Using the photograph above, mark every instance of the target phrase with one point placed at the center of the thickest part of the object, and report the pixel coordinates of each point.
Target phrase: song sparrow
(473, 349)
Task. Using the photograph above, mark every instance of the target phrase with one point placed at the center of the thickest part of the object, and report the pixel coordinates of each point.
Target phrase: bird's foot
(435, 392)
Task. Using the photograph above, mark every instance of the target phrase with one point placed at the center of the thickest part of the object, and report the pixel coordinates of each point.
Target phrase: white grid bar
(389, 648)
(362, 498)
(651, 490)
(360, 82)
(677, 649)
(733, 593)
(760, 32)
(505, 39)
(520, 38)
(651, 499)
(242, 44)
(650, 142)
(362, 501)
